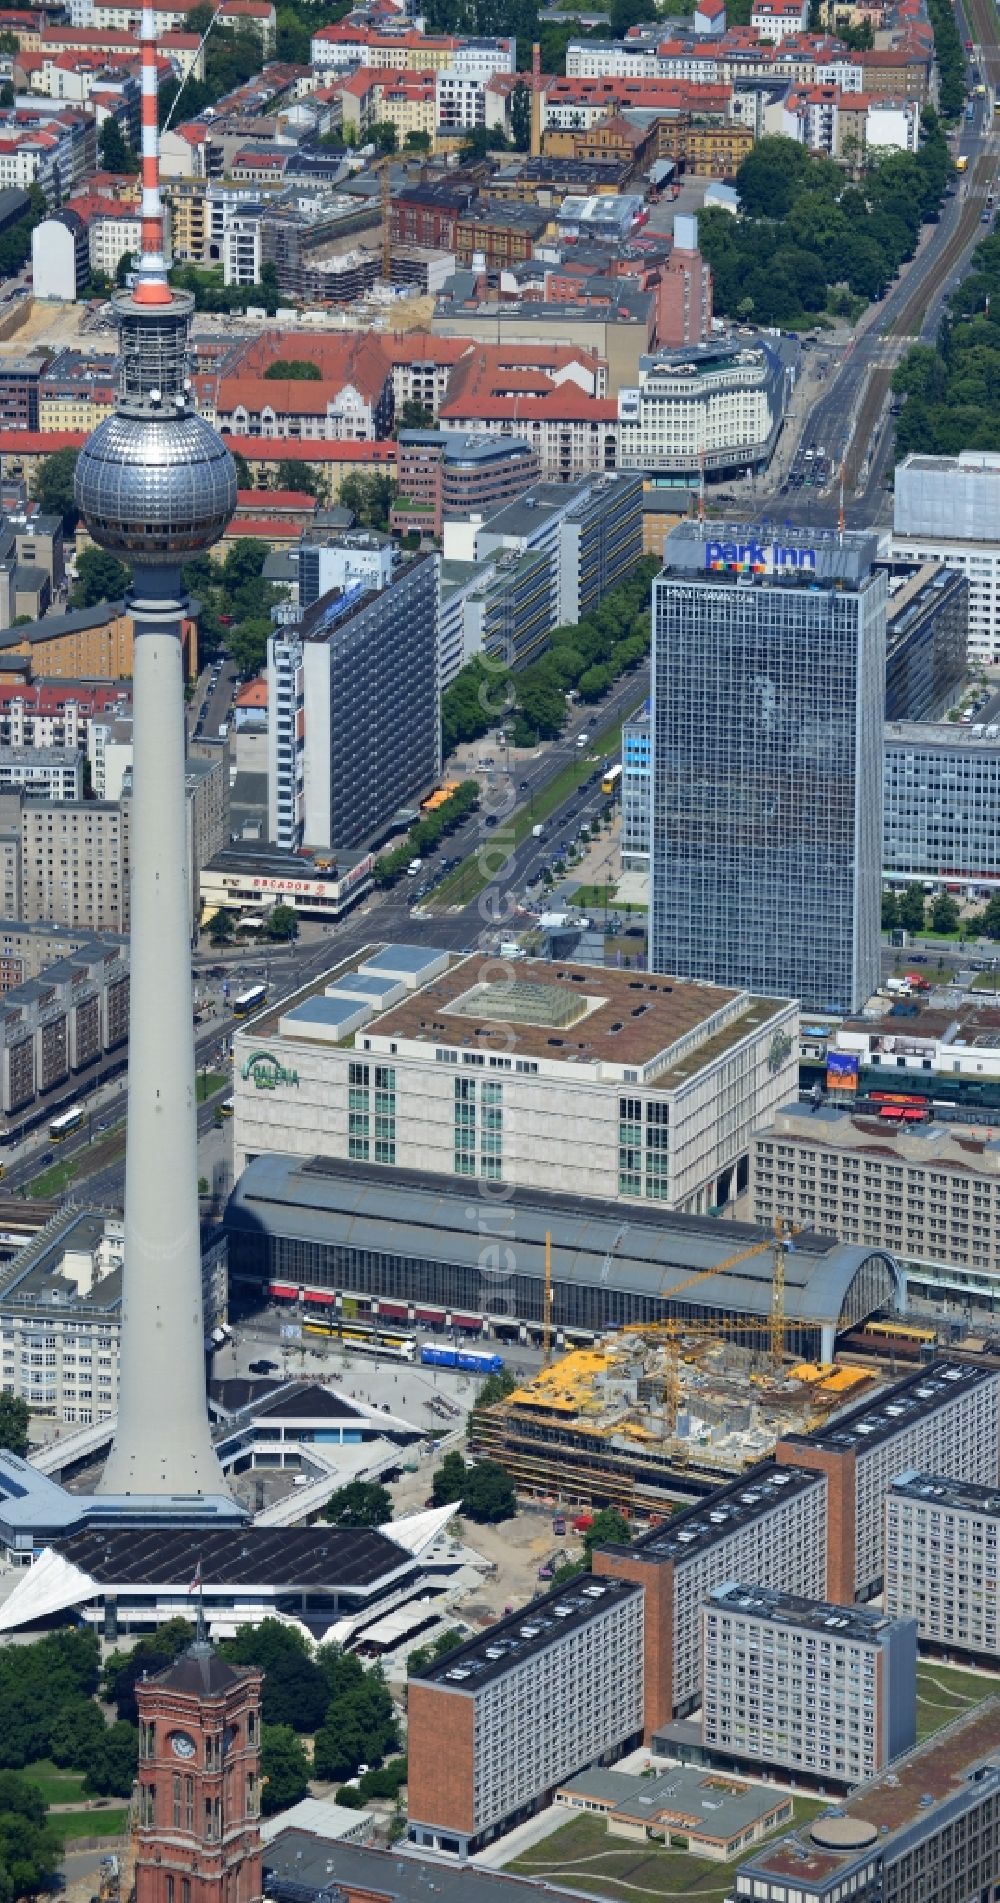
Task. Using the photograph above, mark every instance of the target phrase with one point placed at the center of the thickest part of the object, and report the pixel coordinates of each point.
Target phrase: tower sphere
(155, 487)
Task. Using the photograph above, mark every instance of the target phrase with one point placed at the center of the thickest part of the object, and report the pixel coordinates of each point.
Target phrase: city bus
(612, 780)
(249, 1001)
(362, 1337)
(65, 1125)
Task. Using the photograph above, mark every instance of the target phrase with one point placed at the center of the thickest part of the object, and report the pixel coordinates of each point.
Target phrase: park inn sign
(757, 558)
(265, 1072)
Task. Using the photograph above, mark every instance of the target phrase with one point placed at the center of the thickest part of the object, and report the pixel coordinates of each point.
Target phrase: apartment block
(58, 1026)
(942, 1562)
(926, 639)
(354, 730)
(793, 1684)
(945, 510)
(496, 1724)
(27, 950)
(46, 772)
(926, 1828)
(60, 1316)
(769, 1526)
(943, 1419)
(928, 1192)
(941, 788)
(74, 862)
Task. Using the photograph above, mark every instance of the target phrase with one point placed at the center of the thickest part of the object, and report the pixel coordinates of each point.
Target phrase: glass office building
(768, 692)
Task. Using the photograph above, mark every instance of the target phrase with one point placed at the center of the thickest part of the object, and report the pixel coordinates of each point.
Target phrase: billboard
(842, 1070)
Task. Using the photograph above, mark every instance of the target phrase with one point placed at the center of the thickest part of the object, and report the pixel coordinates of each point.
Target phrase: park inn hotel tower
(768, 691)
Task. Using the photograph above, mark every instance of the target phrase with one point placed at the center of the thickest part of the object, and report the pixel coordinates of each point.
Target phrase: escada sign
(757, 558)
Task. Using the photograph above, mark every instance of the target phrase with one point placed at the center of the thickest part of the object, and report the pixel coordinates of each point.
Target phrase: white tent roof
(52, 1584)
(418, 1531)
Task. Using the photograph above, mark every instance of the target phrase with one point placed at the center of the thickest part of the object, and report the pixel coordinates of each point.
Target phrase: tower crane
(673, 1329)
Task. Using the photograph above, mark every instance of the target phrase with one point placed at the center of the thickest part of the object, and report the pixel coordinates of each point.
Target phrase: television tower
(155, 484)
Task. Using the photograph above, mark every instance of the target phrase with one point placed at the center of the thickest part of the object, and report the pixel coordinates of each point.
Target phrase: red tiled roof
(268, 528)
(565, 404)
(279, 449)
(254, 694)
(287, 499)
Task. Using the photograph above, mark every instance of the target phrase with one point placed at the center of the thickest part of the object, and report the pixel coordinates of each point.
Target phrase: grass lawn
(596, 897)
(209, 1081)
(55, 1181)
(71, 1824)
(58, 1785)
(987, 981)
(944, 1694)
(582, 1854)
(469, 879)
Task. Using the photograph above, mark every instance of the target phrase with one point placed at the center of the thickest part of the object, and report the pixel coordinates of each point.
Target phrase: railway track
(909, 320)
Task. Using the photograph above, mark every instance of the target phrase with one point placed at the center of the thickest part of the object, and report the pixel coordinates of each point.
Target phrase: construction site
(661, 1410)
(639, 1422)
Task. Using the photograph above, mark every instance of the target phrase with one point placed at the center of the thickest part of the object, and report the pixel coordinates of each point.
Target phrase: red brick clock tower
(199, 1782)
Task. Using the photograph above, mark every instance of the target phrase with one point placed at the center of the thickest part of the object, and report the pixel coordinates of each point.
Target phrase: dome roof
(155, 486)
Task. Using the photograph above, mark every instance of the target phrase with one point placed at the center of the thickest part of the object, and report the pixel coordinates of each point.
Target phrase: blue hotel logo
(756, 558)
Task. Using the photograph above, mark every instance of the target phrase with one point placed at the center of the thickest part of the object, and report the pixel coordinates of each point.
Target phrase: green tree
(14, 1419)
(283, 923)
(77, 1733)
(910, 907)
(608, 1528)
(126, 263)
(99, 577)
(222, 929)
(418, 142)
(383, 136)
(520, 116)
(426, 1654)
(989, 917)
(244, 563)
(243, 477)
(116, 153)
(122, 1670)
(360, 1503)
(369, 498)
(289, 475)
(248, 644)
(412, 415)
(360, 1725)
(53, 486)
(284, 1769)
(29, 1851)
(890, 912)
(350, 1797)
(482, 140)
(489, 1494)
(945, 913)
(496, 1387)
(112, 1764)
(293, 370)
(448, 1480)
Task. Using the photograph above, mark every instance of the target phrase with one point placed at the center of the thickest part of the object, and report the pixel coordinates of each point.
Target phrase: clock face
(181, 1745)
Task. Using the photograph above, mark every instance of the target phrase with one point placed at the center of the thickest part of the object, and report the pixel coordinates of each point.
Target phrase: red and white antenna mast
(151, 281)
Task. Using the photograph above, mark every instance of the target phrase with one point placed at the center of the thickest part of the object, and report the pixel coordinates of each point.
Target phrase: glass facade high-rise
(768, 692)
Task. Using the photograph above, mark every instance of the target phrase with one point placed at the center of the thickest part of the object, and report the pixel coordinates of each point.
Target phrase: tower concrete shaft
(155, 484)
(163, 1442)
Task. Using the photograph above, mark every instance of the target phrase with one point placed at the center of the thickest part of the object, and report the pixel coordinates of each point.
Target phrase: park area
(944, 1694)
